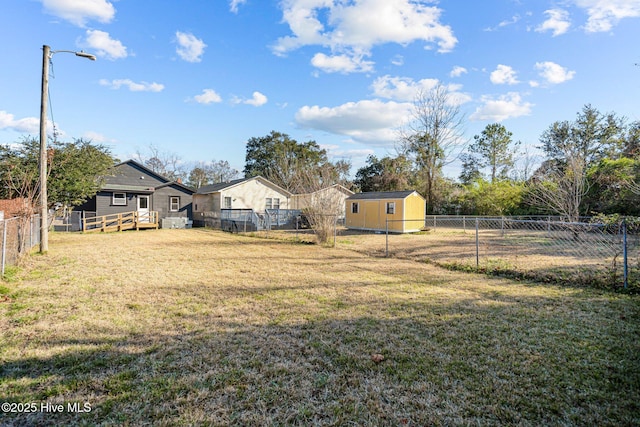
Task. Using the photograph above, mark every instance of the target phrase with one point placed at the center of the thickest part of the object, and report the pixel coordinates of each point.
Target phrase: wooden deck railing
(121, 221)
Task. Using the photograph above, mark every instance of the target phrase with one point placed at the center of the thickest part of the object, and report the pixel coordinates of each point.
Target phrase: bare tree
(433, 137)
(165, 163)
(561, 188)
(525, 163)
(322, 200)
(571, 148)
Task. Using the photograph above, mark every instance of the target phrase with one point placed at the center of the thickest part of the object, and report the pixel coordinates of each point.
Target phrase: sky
(199, 78)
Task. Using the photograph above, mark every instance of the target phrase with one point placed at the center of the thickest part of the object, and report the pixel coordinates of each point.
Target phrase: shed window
(174, 204)
(119, 199)
(276, 203)
(227, 202)
(268, 203)
(354, 207)
(391, 208)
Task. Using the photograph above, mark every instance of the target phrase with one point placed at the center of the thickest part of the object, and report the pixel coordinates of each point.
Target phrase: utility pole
(44, 94)
(44, 210)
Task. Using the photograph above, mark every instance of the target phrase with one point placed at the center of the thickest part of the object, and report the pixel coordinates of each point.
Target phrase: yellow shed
(401, 211)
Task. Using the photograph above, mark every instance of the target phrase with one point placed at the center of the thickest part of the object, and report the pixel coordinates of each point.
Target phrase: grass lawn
(199, 327)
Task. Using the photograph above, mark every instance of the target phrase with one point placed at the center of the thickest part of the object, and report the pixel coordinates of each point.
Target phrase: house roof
(382, 195)
(214, 188)
(177, 184)
(143, 189)
(337, 187)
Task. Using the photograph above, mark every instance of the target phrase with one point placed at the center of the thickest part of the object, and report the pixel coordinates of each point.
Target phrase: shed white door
(143, 209)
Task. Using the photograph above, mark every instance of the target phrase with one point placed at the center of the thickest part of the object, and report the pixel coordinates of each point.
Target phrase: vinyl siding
(140, 182)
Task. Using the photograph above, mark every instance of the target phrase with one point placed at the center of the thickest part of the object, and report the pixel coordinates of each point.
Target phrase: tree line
(589, 165)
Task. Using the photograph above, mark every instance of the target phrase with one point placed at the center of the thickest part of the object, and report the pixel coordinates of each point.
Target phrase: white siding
(253, 194)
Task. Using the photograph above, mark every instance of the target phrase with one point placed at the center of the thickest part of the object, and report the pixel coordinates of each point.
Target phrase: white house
(256, 193)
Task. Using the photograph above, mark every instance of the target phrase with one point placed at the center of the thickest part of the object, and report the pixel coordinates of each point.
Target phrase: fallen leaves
(377, 357)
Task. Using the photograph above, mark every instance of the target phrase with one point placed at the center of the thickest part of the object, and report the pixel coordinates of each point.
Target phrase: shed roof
(382, 195)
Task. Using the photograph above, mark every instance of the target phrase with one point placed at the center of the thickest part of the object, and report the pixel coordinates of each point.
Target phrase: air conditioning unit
(178, 222)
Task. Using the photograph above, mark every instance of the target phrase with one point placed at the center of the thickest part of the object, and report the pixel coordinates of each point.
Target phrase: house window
(174, 204)
(268, 203)
(391, 208)
(276, 203)
(119, 199)
(227, 202)
(354, 208)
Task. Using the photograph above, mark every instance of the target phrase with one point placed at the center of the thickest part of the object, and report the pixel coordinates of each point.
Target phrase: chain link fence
(71, 220)
(545, 249)
(17, 236)
(284, 224)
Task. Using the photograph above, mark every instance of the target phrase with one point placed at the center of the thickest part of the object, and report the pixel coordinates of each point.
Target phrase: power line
(53, 122)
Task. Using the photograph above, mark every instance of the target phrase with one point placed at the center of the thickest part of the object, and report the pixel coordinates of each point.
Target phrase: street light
(47, 54)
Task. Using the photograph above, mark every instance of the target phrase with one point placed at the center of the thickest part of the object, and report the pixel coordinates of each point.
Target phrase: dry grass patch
(596, 263)
(192, 327)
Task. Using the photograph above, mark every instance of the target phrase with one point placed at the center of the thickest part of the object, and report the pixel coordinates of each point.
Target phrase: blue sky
(198, 78)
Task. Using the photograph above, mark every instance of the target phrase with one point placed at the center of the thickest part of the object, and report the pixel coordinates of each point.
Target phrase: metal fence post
(335, 230)
(386, 251)
(477, 244)
(4, 245)
(624, 253)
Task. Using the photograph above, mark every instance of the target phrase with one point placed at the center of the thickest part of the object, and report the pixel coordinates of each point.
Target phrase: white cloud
(369, 121)
(233, 5)
(401, 88)
(338, 152)
(104, 45)
(405, 89)
(353, 28)
(554, 73)
(97, 137)
(208, 96)
(78, 12)
(514, 19)
(25, 125)
(604, 14)
(457, 71)
(557, 22)
(504, 107)
(504, 74)
(257, 100)
(341, 63)
(133, 86)
(398, 60)
(190, 48)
